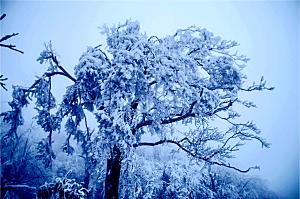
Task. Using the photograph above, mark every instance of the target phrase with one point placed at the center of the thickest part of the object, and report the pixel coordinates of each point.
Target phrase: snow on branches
(140, 84)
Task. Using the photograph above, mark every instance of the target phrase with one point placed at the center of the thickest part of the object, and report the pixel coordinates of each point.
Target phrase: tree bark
(86, 181)
(113, 171)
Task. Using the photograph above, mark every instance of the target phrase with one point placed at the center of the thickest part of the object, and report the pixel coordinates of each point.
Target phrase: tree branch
(60, 73)
(53, 57)
(246, 126)
(8, 36)
(169, 120)
(149, 143)
(12, 47)
(154, 37)
(2, 84)
(2, 16)
(224, 108)
(193, 51)
(192, 154)
(164, 141)
(259, 87)
(25, 188)
(232, 167)
(47, 74)
(106, 57)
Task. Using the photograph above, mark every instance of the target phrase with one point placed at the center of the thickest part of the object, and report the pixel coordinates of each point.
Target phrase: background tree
(228, 184)
(139, 85)
(18, 165)
(144, 176)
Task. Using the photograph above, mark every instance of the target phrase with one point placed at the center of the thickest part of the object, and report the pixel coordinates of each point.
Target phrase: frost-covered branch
(233, 167)
(241, 129)
(197, 156)
(53, 57)
(48, 55)
(224, 108)
(258, 87)
(165, 141)
(41, 90)
(180, 117)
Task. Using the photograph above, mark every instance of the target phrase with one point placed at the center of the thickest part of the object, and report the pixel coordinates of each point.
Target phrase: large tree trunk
(113, 171)
(86, 180)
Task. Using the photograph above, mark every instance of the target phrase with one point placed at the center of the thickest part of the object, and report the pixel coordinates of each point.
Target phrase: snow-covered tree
(147, 177)
(225, 183)
(138, 85)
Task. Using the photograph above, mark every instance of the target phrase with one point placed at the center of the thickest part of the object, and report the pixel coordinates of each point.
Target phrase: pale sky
(268, 32)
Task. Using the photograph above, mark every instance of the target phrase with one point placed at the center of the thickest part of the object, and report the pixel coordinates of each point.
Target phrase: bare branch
(2, 16)
(8, 36)
(2, 84)
(12, 47)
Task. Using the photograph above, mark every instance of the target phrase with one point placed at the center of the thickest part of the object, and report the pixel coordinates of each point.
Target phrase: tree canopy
(138, 85)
